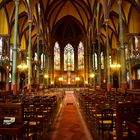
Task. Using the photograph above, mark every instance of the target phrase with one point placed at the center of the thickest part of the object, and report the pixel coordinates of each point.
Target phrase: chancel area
(69, 69)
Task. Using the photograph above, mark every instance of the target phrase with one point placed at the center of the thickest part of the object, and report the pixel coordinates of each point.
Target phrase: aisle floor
(70, 124)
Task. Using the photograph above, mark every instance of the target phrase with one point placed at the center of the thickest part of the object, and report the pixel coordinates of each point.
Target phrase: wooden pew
(128, 111)
(12, 110)
(16, 130)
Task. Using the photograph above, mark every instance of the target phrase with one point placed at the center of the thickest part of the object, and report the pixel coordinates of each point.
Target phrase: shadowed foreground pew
(17, 129)
(128, 115)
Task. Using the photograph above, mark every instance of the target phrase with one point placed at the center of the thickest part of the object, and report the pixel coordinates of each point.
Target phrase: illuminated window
(35, 57)
(68, 58)
(138, 74)
(56, 56)
(80, 56)
(42, 61)
(102, 60)
(96, 61)
(126, 53)
(11, 52)
(10, 79)
(136, 43)
(110, 60)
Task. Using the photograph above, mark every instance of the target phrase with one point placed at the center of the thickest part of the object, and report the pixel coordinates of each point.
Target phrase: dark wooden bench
(12, 110)
(128, 111)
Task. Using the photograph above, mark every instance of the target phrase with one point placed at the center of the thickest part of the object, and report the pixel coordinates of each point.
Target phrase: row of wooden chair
(39, 111)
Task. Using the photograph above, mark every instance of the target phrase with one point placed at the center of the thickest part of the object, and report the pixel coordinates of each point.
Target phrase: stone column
(43, 70)
(86, 66)
(90, 65)
(118, 62)
(46, 66)
(108, 59)
(121, 39)
(99, 62)
(38, 62)
(30, 57)
(76, 59)
(8, 65)
(14, 65)
(94, 81)
(18, 71)
(129, 64)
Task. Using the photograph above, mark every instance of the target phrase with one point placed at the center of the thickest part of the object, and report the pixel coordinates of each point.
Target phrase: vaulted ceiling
(63, 19)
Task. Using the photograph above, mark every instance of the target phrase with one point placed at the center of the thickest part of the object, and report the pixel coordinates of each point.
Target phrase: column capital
(30, 21)
(16, 1)
(98, 34)
(119, 1)
(38, 35)
(106, 20)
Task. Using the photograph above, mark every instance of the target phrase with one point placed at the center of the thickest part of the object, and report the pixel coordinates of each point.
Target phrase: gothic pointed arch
(68, 58)
(56, 56)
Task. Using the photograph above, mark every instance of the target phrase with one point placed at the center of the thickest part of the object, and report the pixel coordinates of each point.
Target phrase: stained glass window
(138, 74)
(68, 58)
(11, 52)
(80, 56)
(56, 56)
(96, 61)
(42, 61)
(102, 60)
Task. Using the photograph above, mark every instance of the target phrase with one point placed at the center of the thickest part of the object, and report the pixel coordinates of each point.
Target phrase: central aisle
(70, 125)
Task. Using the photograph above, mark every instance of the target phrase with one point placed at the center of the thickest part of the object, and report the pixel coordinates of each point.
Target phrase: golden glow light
(52, 82)
(77, 78)
(46, 76)
(22, 66)
(60, 78)
(115, 65)
(92, 75)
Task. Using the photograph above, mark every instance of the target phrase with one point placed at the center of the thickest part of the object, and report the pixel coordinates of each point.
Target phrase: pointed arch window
(102, 60)
(80, 56)
(56, 56)
(42, 61)
(68, 58)
(138, 74)
(96, 61)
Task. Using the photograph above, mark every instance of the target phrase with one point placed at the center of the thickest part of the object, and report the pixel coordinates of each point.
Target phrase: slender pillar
(121, 39)
(129, 64)
(14, 65)
(86, 63)
(76, 59)
(43, 70)
(38, 64)
(30, 57)
(99, 62)
(52, 68)
(108, 59)
(18, 72)
(105, 68)
(46, 67)
(94, 81)
(8, 65)
(49, 75)
(118, 62)
(90, 66)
